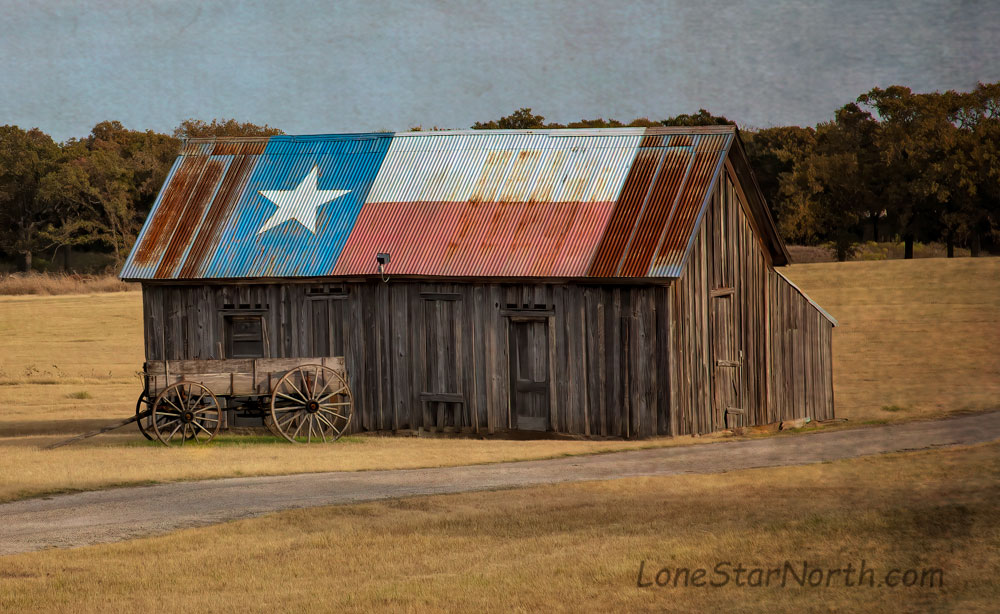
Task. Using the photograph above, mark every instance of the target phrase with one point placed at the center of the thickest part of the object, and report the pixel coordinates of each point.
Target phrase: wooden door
(441, 393)
(727, 362)
(529, 374)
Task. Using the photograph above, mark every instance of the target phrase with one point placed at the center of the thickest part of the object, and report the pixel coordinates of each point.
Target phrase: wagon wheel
(145, 424)
(311, 402)
(186, 411)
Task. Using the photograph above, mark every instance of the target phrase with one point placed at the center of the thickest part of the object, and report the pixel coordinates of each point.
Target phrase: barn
(603, 282)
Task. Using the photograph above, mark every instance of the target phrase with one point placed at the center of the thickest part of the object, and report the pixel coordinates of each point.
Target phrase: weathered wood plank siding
(690, 390)
(801, 359)
(436, 355)
(747, 347)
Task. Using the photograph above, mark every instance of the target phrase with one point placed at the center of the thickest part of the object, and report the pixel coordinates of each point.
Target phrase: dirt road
(119, 514)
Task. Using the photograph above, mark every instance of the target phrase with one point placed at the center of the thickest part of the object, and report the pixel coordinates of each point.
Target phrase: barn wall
(689, 371)
(801, 382)
(436, 355)
(748, 348)
(740, 265)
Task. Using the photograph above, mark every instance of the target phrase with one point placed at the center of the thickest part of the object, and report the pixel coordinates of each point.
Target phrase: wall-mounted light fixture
(382, 258)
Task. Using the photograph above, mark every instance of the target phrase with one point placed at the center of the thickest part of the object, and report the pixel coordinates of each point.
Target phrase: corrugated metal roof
(484, 204)
(621, 202)
(665, 193)
(207, 220)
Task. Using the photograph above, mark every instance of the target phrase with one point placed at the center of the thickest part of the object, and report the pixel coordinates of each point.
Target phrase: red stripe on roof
(466, 239)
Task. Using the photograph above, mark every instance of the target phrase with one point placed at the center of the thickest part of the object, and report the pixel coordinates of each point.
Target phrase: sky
(354, 66)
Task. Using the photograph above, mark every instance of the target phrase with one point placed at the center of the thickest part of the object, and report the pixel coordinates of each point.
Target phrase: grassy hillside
(68, 358)
(916, 337)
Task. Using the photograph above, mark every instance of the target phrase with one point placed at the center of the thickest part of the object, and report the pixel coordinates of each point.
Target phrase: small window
(331, 290)
(530, 309)
(244, 336)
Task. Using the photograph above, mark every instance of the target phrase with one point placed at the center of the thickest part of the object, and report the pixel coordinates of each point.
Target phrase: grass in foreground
(568, 548)
(121, 460)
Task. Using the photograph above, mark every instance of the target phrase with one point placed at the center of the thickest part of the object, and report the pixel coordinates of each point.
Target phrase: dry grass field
(572, 548)
(54, 283)
(917, 339)
(68, 362)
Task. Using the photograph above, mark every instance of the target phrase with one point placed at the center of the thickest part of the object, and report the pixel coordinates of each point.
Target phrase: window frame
(230, 337)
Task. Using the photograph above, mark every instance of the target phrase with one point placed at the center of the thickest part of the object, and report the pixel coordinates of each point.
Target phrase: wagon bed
(229, 377)
(300, 399)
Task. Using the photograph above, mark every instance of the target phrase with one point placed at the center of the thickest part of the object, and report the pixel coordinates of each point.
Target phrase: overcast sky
(319, 67)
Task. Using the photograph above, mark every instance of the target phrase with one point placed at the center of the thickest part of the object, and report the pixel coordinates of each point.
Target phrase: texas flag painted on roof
(282, 207)
(621, 202)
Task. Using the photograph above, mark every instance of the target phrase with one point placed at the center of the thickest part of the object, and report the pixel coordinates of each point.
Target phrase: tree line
(893, 165)
(92, 193)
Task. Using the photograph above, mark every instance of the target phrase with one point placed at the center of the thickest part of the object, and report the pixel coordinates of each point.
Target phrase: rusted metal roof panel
(709, 154)
(663, 198)
(608, 203)
(507, 204)
(276, 207)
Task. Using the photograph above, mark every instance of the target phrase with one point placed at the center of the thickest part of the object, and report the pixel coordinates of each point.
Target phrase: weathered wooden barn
(614, 282)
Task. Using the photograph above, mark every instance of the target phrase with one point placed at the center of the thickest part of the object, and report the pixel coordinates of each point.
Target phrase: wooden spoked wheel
(186, 411)
(145, 424)
(311, 402)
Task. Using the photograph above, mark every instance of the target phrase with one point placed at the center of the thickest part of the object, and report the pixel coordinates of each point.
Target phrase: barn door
(725, 333)
(529, 374)
(727, 362)
(441, 393)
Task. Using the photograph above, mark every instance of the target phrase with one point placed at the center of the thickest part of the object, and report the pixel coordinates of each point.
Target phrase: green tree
(973, 169)
(26, 158)
(773, 154)
(644, 122)
(600, 122)
(832, 188)
(196, 128)
(916, 138)
(701, 118)
(522, 119)
(105, 186)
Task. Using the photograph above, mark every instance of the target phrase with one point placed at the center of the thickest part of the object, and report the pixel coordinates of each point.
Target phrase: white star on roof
(299, 204)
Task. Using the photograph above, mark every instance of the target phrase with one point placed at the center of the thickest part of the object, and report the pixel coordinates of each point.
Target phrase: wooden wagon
(300, 399)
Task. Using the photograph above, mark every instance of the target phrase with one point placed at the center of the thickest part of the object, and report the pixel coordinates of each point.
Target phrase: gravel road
(113, 515)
